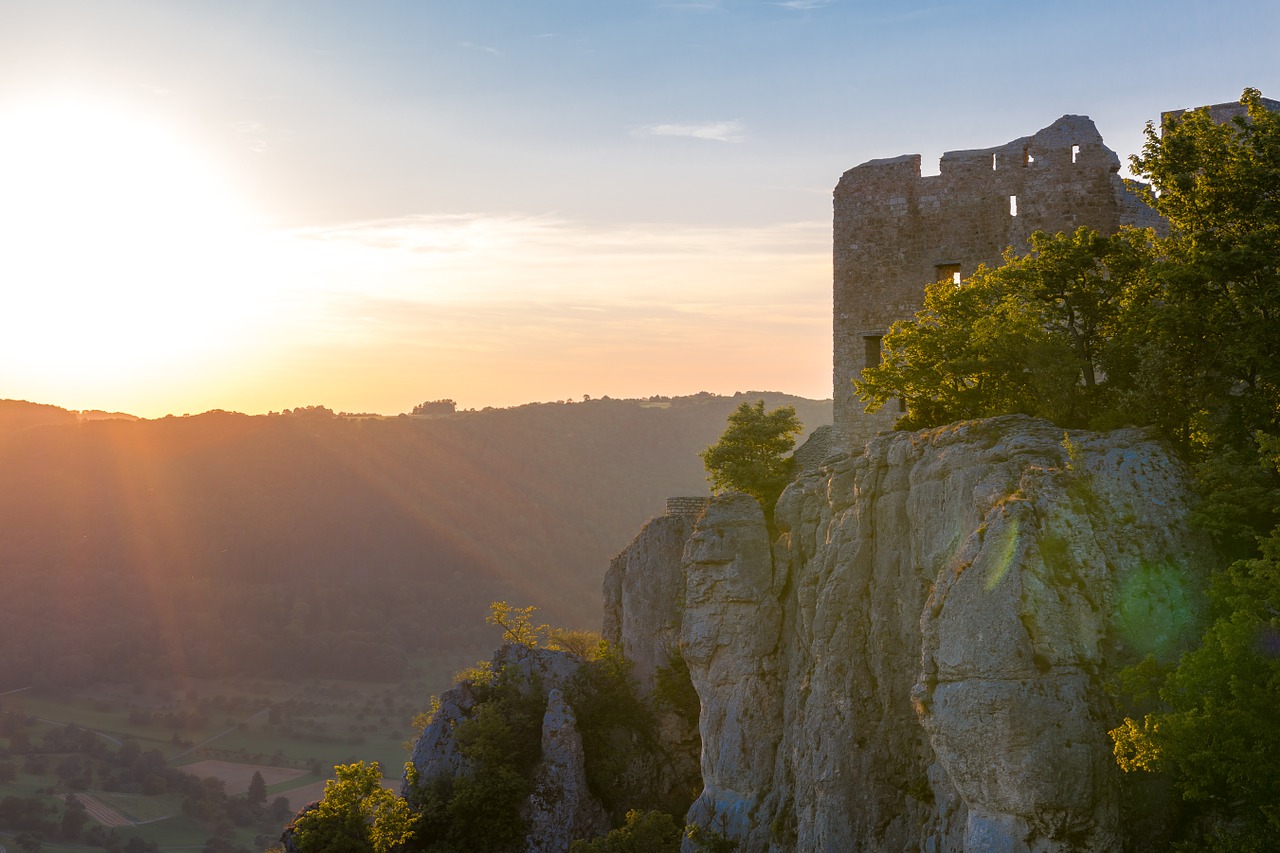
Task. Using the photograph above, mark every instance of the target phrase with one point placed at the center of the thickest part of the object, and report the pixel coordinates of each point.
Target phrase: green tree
(257, 793)
(706, 840)
(517, 624)
(618, 729)
(356, 815)
(584, 644)
(30, 842)
(1213, 336)
(74, 818)
(751, 455)
(1045, 334)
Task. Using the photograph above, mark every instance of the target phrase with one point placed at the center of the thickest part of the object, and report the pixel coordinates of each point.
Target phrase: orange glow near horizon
(136, 280)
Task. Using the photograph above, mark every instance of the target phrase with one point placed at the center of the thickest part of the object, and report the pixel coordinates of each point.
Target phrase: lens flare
(1155, 610)
(1002, 551)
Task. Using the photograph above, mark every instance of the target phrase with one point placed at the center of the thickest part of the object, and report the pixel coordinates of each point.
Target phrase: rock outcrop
(561, 809)
(916, 661)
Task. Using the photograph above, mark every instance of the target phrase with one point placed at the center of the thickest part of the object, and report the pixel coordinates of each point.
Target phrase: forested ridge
(308, 543)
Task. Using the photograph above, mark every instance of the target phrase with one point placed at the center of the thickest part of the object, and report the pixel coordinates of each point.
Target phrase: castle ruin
(895, 231)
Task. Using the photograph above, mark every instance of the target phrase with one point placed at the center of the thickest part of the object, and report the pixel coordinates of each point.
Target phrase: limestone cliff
(916, 661)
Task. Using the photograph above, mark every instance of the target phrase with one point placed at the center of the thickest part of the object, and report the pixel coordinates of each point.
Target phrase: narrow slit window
(1013, 205)
(871, 344)
(947, 272)
(1075, 153)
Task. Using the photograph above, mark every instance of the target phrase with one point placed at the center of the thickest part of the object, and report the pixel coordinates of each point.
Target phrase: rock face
(644, 595)
(916, 661)
(561, 809)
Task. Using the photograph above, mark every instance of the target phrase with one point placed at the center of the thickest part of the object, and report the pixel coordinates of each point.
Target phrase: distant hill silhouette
(312, 544)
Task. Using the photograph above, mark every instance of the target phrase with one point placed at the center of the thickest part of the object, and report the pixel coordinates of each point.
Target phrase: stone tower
(896, 231)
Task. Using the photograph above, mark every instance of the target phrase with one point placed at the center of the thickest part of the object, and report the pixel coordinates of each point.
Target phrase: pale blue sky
(594, 197)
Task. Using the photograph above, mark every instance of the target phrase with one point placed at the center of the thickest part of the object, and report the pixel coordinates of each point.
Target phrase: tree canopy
(751, 455)
(356, 815)
(1045, 334)
(1214, 330)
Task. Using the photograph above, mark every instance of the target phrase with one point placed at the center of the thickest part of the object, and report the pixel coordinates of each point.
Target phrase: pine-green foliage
(644, 832)
(617, 729)
(356, 815)
(751, 455)
(674, 688)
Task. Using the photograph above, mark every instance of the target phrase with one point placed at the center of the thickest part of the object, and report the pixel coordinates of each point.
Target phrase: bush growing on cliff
(480, 811)
(644, 832)
(751, 455)
(1218, 732)
(617, 729)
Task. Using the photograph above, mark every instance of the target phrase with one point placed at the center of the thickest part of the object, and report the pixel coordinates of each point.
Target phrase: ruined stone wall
(1221, 112)
(896, 231)
(686, 506)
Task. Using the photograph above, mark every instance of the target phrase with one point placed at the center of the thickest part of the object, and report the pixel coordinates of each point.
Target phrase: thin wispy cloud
(481, 47)
(254, 133)
(704, 6)
(718, 131)
(485, 257)
(804, 5)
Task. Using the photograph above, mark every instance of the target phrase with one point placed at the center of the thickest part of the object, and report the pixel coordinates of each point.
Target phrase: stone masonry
(896, 231)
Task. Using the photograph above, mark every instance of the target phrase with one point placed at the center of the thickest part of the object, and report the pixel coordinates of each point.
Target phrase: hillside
(312, 544)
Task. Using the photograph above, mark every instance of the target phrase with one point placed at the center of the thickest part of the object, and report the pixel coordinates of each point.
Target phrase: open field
(101, 812)
(235, 778)
(139, 808)
(293, 733)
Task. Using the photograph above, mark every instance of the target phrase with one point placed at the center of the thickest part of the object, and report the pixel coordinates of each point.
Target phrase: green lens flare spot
(1155, 610)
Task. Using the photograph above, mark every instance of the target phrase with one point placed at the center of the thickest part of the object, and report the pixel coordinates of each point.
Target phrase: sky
(367, 205)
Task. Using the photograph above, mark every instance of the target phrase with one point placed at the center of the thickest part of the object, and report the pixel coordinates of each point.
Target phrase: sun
(122, 251)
